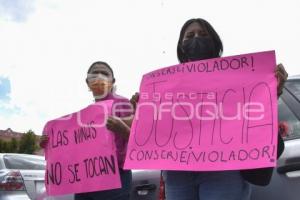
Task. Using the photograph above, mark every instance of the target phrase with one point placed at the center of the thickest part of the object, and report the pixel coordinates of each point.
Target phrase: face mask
(95, 77)
(100, 88)
(199, 48)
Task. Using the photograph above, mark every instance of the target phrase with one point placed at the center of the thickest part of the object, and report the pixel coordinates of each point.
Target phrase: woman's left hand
(116, 125)
(281, 76)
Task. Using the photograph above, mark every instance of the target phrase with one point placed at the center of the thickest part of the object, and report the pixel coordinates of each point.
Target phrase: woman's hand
(134, 100)
(281, 76)
(117, 126)
(44, 141)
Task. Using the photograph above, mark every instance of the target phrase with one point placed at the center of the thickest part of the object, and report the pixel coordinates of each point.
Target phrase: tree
(9, 147)
(1, 146)
(4, 147)
(14, 147)
(28, 143)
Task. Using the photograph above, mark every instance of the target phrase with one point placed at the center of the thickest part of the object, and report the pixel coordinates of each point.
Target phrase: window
(24, 162)
(293, 86)
(288, 121)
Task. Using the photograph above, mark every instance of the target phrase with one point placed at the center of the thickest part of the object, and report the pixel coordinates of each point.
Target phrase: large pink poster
(216, 114)
(81, 153)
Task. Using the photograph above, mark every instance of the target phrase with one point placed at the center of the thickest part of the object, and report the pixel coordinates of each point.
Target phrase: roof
(294, 77)
(8, 134)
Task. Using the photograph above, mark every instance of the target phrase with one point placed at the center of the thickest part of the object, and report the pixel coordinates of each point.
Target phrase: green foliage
(14, 146)
(27, 144)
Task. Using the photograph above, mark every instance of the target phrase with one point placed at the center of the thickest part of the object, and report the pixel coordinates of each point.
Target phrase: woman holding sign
(198, 41)
(100, 80)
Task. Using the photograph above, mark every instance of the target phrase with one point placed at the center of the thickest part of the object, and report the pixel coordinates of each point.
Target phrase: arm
(118, 126)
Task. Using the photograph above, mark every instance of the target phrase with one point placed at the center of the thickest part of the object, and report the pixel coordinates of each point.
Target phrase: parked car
(285, 183)
(21, 176)
(147, 185)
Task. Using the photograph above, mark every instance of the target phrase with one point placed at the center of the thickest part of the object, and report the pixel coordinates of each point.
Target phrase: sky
(46, 46)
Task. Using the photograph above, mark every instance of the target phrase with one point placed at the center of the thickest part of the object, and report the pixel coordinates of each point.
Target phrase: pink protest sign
(81, 153)
(209, 115)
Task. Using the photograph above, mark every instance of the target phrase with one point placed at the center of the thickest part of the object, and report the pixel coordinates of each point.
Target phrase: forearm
(128, 120)
(125, 132)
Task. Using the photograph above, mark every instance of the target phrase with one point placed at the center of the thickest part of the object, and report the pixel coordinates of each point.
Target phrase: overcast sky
(46, 46)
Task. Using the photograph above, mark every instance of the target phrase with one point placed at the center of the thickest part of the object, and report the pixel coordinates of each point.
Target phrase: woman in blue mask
(197, 41)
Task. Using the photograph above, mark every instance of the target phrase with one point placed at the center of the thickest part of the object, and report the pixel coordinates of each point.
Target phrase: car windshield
(24, 162)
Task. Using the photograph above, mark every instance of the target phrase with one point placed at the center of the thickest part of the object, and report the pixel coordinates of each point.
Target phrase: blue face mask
(199, 48)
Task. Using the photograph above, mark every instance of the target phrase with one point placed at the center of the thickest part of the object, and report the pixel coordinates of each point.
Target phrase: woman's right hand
(134, 100)
(44, 141)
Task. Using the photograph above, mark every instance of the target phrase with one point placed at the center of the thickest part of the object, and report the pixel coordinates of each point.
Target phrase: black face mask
(199, 48)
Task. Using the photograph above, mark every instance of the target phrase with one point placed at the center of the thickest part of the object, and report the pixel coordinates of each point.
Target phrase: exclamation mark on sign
(273, 154)
(252, 63)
